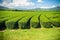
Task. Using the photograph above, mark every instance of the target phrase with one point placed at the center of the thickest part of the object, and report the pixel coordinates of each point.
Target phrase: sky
(29, 4)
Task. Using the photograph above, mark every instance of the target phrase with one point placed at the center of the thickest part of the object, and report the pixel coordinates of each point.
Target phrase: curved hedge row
(45, 23)
(54, 18)
(35, 22)
(13, 23)
(54, 21)
(2, 22)
(25, 22)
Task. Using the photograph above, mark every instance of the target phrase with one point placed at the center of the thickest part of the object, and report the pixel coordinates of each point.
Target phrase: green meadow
(29, 25)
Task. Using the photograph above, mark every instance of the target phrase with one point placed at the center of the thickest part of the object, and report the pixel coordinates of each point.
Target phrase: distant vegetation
(57, 8)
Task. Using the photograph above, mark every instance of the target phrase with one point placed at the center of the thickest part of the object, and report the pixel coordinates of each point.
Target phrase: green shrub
(2, 22)
(25, 22)
(35, 22)
(13, 23)
(55, 21)
(53, 15)
(45, 22)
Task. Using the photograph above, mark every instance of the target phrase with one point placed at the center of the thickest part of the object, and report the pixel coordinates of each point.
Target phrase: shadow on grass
(39, 26)
(2, 26)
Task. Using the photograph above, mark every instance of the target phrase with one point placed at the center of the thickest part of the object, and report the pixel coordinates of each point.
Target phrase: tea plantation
(27, 25)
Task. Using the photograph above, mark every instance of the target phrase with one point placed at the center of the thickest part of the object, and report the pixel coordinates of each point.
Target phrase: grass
(31, 34)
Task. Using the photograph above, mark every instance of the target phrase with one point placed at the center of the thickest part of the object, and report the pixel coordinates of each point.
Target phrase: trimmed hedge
(2, 22)
(45, 23)
(13, 23)
(35, 22)
(55, 21)
(25, 22)
(52, 15)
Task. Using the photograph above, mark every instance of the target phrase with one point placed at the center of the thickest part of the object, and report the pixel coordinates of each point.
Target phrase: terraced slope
(27, 20)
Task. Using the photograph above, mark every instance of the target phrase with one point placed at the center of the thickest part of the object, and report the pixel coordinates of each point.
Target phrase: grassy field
(31, 34)
(32, 25)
